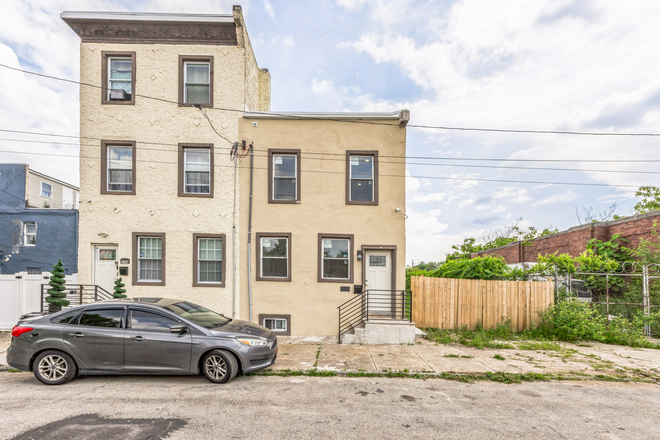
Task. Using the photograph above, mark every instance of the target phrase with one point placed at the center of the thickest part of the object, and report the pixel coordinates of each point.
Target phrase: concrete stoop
(381, 332)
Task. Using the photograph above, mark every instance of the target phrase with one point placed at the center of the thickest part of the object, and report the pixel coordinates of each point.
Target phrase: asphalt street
(315, 407)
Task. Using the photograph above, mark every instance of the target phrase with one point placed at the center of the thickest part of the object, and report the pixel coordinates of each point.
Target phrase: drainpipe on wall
(250, 235)
(233, 242)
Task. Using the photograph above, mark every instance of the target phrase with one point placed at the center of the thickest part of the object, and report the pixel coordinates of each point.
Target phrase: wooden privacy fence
(450, 303)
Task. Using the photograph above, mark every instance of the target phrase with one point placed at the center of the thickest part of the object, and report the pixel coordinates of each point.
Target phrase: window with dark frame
(120, 168)
(118, 78)
(150, 259)
(362, 177)
(336, 262)
(209, 260)
(284, 176)
(274, 257)
(195, 80)
(118, 171)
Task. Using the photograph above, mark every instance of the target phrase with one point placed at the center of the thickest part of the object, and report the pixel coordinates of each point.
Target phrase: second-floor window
(29, 234)
(195, 81)
(118, 172)
(284, 176)
(118, 77)
(196, 170)
(46, 190)
(362, 178)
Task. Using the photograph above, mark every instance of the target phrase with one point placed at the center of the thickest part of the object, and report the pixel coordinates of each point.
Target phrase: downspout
(250, 235)
(233, 241)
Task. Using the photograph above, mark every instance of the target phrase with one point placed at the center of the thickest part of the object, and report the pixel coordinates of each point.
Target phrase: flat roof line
(149, 16)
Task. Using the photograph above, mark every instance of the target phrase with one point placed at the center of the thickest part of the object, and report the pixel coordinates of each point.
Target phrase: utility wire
(395, 163)
(302, 117)
(335, 154)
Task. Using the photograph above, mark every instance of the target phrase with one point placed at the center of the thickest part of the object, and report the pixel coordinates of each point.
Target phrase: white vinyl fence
(20, 293)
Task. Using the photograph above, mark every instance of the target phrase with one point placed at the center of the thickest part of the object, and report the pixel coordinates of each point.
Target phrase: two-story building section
(158, 188)
(327, 219)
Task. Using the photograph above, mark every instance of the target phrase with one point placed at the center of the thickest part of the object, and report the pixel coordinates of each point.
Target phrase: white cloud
(322, 86)
(268, 8)
(568, 196)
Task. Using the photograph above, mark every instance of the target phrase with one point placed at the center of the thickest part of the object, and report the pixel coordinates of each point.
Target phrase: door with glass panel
(378, 279)
(105, 266)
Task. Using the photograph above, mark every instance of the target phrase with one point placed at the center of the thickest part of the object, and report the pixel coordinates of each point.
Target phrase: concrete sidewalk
(324, 354)
(590, 359)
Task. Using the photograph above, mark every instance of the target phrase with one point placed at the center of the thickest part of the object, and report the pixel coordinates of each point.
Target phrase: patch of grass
(464, 356)
(13, 370)
(451, 355)
(318, 353)
(499, 357)
(381, 355)
(539, 345)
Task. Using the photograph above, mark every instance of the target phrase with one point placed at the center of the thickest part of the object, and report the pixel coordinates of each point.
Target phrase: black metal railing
(76, 294)
(375, 304)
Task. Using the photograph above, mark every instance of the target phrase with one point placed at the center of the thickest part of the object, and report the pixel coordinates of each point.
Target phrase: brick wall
(574, 241)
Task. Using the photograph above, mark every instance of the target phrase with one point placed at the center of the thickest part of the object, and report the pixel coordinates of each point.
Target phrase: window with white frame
(362, 179)
(275, 324)
(197, 170)
(285, 169)
(150, 259)
(209, 260)
(46, 190)
(119, 79)
(196, 82)
(274, 257)
(120, 168)
(336, 262)
(29, 234)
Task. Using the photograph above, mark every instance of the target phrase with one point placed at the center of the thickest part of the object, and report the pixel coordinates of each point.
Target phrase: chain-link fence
(632, 292)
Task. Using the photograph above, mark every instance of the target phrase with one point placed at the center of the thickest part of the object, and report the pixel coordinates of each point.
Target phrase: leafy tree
(588, 216)
(56, 294)
(119, 289)
(650, 201)
(431, 265)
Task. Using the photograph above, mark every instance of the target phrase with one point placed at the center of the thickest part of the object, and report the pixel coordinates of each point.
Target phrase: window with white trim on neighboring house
(275, 324)
(29, 234)
(285, 171)
(336, 262)
(46, 190)
(274, 254)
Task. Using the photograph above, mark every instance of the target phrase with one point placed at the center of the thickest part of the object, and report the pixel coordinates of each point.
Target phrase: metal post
(570, 289)
(80, 301)
(96, 292)
(647, 302)
(607, 298)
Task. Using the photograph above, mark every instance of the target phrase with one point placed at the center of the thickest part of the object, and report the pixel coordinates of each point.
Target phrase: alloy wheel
(216, 367)
(53, 367)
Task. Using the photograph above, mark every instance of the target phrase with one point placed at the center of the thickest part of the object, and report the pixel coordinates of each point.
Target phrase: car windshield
(197, 314)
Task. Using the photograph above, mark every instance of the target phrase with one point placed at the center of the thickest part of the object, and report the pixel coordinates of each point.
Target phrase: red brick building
(574, 241)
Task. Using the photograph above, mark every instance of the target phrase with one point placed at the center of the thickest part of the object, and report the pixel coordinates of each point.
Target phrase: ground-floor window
(148, 258)
(335, 258)
(273, 257)
(209, 260)
(280, 324)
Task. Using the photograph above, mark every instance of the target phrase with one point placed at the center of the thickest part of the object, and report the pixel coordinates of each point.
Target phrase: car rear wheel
(219, 366)
(54, 367)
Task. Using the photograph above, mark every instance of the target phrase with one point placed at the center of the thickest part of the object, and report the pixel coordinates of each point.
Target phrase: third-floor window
(196, 81)
(118, 77)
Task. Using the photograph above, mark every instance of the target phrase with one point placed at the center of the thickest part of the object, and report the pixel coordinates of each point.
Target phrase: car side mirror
(178, 328)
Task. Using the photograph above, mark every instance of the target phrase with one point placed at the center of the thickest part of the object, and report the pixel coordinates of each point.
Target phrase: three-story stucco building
(158, 188)
(311, 217)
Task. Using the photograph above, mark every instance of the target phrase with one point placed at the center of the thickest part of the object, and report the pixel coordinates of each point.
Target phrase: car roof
(158, 302)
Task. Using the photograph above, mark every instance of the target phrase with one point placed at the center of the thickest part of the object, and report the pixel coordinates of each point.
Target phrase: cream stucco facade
(323, 140)
(158, 127)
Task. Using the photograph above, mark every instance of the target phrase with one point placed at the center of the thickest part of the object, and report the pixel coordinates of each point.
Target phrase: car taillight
(17, 330)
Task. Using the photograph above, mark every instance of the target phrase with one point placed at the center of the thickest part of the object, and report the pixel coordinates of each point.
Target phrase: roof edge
(147, 16)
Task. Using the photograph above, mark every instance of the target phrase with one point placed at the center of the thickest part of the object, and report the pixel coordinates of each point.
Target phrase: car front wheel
(219, 366)
(54, 367)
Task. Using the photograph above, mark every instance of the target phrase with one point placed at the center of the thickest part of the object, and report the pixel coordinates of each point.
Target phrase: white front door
(378, 265)
(105, 266)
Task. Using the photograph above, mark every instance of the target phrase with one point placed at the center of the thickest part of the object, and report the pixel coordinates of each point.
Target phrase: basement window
(275, 324)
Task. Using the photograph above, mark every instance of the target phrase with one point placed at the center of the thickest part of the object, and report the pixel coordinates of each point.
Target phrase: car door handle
(76, 335)
(137, 338)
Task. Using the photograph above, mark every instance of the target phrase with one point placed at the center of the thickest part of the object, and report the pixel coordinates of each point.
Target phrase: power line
(395, 163)
(301, 117)
(471, 159)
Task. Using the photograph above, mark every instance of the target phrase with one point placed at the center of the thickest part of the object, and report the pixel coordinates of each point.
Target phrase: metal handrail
(385, 304)
(76, 294)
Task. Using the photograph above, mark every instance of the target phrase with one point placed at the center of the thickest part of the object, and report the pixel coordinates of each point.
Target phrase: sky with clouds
(569, 65)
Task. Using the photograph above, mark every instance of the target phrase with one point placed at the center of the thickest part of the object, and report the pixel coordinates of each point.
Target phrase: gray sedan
(139, 336)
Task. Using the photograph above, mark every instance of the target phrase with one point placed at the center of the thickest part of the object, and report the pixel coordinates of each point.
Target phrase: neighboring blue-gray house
(33, 239)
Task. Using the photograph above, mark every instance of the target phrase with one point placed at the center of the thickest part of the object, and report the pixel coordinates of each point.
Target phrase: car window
(198, 314)
(65, 318)
(102, 318)
(151, 321)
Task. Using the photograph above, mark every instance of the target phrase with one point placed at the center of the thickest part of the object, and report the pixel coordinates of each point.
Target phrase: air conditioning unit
(119, 95)
(46, 205)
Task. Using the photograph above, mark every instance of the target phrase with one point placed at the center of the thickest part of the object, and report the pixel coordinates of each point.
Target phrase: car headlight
(254, 342)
